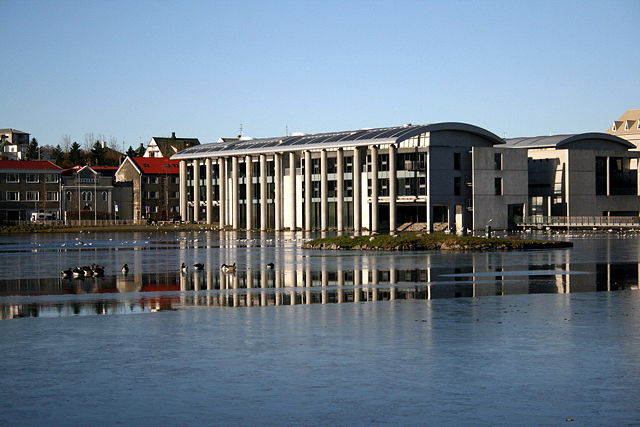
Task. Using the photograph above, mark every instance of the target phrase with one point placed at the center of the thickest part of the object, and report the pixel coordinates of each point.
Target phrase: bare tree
(89, 140)
(65, 142)
(113, 143)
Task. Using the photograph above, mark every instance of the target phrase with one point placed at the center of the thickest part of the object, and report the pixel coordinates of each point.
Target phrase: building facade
(155, 187)
(591, 174)
(88, 192)
(446, 176)
(30, 190)
(13, 144)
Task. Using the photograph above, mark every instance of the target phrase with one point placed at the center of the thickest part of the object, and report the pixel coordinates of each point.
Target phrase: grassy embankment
(431, 242)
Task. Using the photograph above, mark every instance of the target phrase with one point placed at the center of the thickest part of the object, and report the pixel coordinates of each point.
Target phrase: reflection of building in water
(461, 276)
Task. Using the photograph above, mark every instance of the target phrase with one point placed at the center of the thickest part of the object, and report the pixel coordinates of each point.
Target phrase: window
(497, 160)
(175, 180)
(13, 196)
(51, 177)
(13, 177)
(174, 195)
(86, 196)
(456, 161)
(104, 196)
(498, 185)
(69, 195)
(52, 196)
(32, 177)
(32, 196)
(457, 186)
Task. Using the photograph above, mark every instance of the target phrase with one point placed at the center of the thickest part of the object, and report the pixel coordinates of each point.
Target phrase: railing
(580, 221)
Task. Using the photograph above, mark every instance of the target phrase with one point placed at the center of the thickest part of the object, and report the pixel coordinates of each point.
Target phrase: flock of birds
(95, 270)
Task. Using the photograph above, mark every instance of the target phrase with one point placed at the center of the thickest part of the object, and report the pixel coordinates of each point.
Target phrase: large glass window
(51, 177)
(52, 196)
(32, 177)
(13, 196)
(456, 161)
(13, 177)
(498, 186)
(32, 196)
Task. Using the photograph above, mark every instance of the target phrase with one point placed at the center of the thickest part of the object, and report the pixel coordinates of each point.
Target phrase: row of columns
(278, 196)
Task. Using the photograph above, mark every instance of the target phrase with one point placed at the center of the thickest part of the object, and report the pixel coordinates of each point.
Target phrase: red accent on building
(28, 164)
(157, 165)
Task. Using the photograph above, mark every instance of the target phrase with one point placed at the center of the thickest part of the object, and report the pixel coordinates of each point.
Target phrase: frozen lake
(498, 338)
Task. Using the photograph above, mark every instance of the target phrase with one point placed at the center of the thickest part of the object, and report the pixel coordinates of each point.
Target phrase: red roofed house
(29, 190)
(156, 187)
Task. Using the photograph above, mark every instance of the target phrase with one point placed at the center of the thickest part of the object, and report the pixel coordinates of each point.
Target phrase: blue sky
(133, 70)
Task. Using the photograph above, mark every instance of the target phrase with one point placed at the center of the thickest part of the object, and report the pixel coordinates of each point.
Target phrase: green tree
(32, 150)
(75, 154)
(131, 152)
(98, 154)
(58, 155)
(140, 151)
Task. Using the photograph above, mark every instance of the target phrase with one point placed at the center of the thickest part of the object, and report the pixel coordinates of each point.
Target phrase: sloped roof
(171, 145)
(558, 141)
(29, 164)
(9, 130)
(361, 137)
(156, 165)
(629, 122)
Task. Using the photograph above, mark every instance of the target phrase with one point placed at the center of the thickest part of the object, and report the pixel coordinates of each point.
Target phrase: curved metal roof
(557, 141)
(361, 137)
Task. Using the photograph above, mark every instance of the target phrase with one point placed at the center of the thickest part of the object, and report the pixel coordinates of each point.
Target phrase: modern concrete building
(30, 190)
(13, 144)
(441, 176)
(627, 127)
(155, 184)
(167, 147)
(590, 174)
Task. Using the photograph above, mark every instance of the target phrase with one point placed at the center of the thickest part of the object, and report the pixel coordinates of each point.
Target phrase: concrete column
(235, 190)
(263, 193)
(222, 183)
(196, 190)
(209, 192)
(292, 195)
(278, 193)
(357, 193)
(183, 190)
(393, 192)
(608, 169)
(324, 191)
(249, 183)
(307, 190)
(340, 190)
(374, 189)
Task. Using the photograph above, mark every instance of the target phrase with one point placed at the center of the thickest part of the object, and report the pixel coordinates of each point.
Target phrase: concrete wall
(489, 208)
(128, 173)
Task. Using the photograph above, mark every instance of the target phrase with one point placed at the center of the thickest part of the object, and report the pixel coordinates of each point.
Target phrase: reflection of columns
(263, 286)
(249, 286)
(235, 190)
(209, 191)
(183, 190)
(196, 190)
(392, 281)
(278, 285)
(324, 277)
(392, 188)
(324, 196)
(249, 183)
(340, 190)
(374, 283)
(263, 193)
(357, 281)
(307, 190)
(308, 283)
(357, 186)
(222, 191)
(277, 157)
(292, 190)
(374, 189)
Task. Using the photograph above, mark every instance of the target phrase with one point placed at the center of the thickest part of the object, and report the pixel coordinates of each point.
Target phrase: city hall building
(444, 176)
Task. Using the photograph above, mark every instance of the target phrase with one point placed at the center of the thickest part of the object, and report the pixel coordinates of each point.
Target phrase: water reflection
(321, 282)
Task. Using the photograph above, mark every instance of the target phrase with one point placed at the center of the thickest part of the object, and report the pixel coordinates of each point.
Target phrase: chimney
(173, 135)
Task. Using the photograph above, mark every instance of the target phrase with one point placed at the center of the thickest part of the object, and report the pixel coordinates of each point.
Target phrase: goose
(88, 271)
(125, 269)
(270, 266)
(67, 273)
(77, 272)
(228, 268)
(184, 268)
(98, 271)
(198, 266)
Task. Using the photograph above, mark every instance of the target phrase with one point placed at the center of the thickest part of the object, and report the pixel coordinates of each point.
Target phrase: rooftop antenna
(286, 130)
(240, 129)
